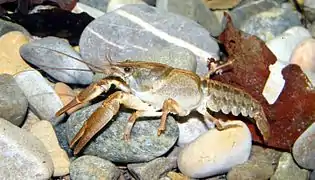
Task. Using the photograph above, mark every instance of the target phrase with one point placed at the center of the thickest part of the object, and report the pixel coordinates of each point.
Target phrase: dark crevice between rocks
(53, 22)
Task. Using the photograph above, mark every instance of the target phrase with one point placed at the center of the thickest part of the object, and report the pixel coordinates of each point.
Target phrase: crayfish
(154, 89)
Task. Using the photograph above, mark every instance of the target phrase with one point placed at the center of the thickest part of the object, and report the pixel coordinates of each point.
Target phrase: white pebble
(216, 152)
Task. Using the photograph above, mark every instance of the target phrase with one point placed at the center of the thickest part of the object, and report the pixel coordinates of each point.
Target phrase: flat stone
(216, 152)
(57, 53)
(13, 103)
(304, 148)
(42, 98)
(288, 170)
(144, 145)
(23, 156)
(31, 119)
(195, 10)
(304, 56)
(154, 169)
(91, 167)
(163, 36)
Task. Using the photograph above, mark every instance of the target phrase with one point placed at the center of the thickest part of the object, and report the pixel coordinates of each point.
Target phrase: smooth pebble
(23, 156)
(216, 152)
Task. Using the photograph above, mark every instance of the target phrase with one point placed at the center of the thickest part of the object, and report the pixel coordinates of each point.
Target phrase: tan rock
(219, 4)
(10, 59)
(304, 55)
(44, 131)
(66, 95)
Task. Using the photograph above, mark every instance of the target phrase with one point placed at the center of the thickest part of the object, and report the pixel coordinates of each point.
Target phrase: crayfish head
(140, 75)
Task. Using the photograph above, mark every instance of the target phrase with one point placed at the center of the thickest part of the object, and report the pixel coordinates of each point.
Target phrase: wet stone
(144, 145)
(13, 103)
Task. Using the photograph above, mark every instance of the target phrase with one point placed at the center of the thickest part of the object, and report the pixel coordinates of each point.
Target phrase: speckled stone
(91, 167)
(144, 145)
(22, 155)
(13, 102)
(6, 26)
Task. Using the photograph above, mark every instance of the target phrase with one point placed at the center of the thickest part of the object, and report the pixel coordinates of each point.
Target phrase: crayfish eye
(127, 69)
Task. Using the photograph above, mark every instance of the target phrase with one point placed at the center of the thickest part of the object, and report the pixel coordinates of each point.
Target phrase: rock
(80, 7)
(195, 10)
(288, 170)
(309, 7)
(191, 127)
(42, 53)
(304, 148)
(7, 26)
(116, 4)
(218, 4)
(260, 166)
(31, 119)
(61, 133)
(144, 145)
(66, 95)
(248, 9)
(23, 156)
(13, 103)
(91, 167)
(44, 131)
(11, 61)
(283, 45)
(152, 170)
(43, 100)
(269, 24)
(164, 37)
(216, 152)
(304, 56)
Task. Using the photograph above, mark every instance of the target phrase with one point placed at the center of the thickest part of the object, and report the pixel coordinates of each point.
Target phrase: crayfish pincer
(154, 89)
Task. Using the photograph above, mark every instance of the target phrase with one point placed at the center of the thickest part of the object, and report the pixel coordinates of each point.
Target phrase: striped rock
(142, 32)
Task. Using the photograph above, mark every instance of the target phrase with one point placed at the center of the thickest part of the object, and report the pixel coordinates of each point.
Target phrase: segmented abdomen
(230, 99)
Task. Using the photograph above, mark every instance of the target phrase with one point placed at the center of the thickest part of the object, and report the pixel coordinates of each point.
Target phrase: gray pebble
(312, 176)
(23, 156)
(36, 52)
(288, 170)
(152, 170)
(144, 32)
(249, 8)
(13, 103)
(195, 10)
(260, 166)
(92, 167)
(144, 145)
(269, 24)
(304, 148)
(42, 98)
